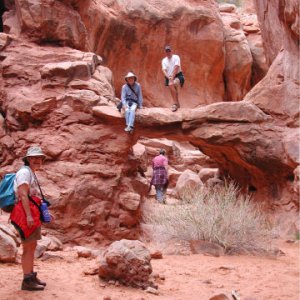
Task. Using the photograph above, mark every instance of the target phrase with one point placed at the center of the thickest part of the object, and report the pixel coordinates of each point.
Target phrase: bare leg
(28, 256)
(174, 94)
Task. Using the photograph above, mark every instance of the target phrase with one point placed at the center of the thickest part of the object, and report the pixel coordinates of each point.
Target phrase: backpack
(7, 193)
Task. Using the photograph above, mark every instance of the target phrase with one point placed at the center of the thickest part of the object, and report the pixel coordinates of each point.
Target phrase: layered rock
(51, 21)
(278, 93)
(252, 31)
(63, 100)
(132, 35)
(238, 58)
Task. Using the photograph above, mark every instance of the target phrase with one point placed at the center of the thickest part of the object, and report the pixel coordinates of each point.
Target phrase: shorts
(179, 80)
(35, 236)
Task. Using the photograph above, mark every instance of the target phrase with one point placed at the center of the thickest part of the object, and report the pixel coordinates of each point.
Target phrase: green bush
(220, 215)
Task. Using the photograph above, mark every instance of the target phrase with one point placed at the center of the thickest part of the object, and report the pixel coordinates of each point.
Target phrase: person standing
(171, 68)
(160, 175)
(132, 98)
(26, 215)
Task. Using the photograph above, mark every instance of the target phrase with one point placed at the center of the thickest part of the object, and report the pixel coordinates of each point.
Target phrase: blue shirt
(127, 94)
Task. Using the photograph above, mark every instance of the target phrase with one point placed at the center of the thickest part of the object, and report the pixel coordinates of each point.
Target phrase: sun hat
(34, 151)
(168, 48)
(130, 74)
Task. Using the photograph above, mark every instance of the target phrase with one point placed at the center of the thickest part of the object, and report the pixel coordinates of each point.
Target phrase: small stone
(208, 281)
(151, 290)
(219, 297)
(278, 252)
(101, 284)
(91, 271)
(290, 241)
(156, 255)
(112, 282)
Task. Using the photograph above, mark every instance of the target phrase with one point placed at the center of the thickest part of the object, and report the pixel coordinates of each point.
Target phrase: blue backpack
(7, 193)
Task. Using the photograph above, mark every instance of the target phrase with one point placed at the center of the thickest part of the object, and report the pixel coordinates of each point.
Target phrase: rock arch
(237, 135)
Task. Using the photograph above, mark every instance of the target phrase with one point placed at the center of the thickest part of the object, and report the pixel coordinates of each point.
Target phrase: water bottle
(46, 217)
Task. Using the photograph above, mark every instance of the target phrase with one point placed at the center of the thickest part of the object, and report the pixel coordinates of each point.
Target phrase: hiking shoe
(29, 284)
(37, 280)
(127, 128)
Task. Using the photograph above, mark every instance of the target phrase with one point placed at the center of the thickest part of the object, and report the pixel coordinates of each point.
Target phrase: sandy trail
(192, 277)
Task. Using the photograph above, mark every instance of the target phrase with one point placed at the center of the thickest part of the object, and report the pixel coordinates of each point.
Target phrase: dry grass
(221, 215)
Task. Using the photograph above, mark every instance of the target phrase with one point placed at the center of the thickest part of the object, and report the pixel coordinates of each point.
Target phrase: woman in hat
(26, 214)
(131, 97)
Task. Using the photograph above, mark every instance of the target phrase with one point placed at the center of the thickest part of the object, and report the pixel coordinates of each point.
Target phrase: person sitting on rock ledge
(131, 97)
(171, 68)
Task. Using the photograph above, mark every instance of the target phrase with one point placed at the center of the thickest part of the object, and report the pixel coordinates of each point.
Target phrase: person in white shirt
(171, 68)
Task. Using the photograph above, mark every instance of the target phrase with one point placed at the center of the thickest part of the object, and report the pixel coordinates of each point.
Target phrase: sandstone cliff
(63, 63)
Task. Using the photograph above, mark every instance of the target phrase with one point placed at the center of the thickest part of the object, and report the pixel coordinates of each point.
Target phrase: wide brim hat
(130, 74)
(34, 151)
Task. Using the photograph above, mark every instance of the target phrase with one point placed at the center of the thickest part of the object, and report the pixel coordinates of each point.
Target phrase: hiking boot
(37, 280)
(29, 284)
(127, 128)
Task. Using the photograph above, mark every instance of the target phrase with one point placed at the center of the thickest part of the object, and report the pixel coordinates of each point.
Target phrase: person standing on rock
(26, 216)
(160, 175)
(171, 68)
(132, 98)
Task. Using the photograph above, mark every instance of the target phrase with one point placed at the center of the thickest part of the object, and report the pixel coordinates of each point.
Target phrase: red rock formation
(238, 58)
(63, 99)
(278, 92)
(51, 21)
(132, 35)
(253, 34)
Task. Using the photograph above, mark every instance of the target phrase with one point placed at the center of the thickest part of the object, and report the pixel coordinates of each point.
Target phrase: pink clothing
(159, 161)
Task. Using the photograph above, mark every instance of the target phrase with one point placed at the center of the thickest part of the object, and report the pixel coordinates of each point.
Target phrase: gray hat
(34, 151)
(130, 74)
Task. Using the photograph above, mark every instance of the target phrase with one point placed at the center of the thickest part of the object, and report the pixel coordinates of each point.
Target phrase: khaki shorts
(35, 236)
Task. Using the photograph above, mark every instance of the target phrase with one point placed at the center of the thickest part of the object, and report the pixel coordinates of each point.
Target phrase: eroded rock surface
(64, 100)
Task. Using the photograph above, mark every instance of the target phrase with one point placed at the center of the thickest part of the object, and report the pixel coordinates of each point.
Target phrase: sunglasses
(168, 50)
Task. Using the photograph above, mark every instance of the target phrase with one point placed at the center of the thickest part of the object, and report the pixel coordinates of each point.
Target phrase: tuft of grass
(220, 215)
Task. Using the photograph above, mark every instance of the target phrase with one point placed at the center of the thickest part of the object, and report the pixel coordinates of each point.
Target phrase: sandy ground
(192, 277)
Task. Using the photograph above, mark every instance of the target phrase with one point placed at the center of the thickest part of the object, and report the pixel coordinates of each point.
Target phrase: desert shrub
(220, 215)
